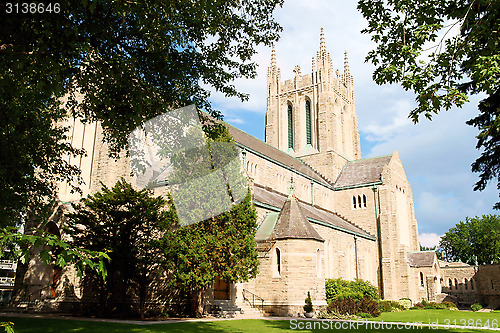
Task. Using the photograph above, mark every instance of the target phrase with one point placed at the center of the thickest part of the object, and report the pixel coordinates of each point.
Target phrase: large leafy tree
(127, 60)
(474, 241)
(219, 247)
(444, 51)
(128, 225)
(223, 247)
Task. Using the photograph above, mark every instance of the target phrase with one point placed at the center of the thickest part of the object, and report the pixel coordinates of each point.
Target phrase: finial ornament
(296, 70)
(291, 185)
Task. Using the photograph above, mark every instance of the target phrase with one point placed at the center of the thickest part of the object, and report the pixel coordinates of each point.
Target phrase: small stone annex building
(323, 212)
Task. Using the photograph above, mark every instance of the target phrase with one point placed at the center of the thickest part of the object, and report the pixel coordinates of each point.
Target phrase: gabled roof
(362, 172)
(421, 258)
(271, 199)
(293, 224)
(259, 147)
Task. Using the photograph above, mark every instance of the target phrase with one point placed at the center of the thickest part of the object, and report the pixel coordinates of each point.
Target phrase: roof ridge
(369, 158)
(322, 177)
(328, 180)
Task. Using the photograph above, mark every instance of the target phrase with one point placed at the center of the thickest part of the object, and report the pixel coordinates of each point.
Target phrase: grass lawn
(29, 325)
(444, 317)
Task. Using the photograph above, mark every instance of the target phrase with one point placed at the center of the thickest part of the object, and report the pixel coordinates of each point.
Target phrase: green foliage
(418, 48)
(436, 249)
(390, 306)
(450, 305)
(222, 246)
(357, 289)
(17, 246)
(364, 315)
(475, 241)
(127, 225)
(353, 306)
(336, 315)
(406, 303)
(116, 62)
(476, 307)
(433, 305)
(8, 326)
(308, 308)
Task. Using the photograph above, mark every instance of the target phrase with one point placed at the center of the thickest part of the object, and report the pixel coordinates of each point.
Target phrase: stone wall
(472, 284)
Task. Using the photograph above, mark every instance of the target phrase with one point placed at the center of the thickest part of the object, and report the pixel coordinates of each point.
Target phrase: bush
(433, 305)
(350, 305)
(390, 306)
(357, 289)
(309, 305)
(450, 305)
(405, 303)
(336, 315)
(364, 315)
(476, 307)
(419, 305)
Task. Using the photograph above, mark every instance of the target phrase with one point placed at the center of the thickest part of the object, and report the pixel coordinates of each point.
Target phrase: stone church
(323, 212)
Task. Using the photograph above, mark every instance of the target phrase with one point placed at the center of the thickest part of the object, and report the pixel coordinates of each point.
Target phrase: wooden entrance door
(221, 289)
(55, 281)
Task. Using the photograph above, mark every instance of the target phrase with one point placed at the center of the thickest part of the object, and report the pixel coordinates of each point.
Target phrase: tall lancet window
(308, 123)
(290, 127)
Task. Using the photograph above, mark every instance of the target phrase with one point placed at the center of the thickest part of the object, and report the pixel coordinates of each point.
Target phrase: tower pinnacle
(273, 58)
(346, 63)
(322, 44)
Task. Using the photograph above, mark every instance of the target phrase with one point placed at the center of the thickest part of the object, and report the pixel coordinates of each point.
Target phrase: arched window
(364, 201)
(278, 261)
(465, 284)
(421, 279)
(359, 202)
(450, 284)
(308, 123)
(353, 202)
(290, 127)
(456, 284)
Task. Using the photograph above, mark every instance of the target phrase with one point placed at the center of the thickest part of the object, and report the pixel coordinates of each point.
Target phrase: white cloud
(234, 120)
(429, 239)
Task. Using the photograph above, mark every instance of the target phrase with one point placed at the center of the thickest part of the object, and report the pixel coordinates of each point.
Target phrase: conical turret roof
(292, 223)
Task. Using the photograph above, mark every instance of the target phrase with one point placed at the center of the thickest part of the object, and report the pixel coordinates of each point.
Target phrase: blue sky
(436, 155)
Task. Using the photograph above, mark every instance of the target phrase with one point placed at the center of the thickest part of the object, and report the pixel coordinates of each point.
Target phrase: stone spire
(273, 69)
(347, 74)
(273, 58)
(346, 64)
(322, 44)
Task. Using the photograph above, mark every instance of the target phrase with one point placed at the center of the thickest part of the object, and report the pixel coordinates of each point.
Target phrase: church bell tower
(313, 114)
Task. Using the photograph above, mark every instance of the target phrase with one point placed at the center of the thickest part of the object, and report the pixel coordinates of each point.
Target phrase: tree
(127, 225)
(128, 61)
(475, 241)
(223, 246)
(444, 51)
(436, 249)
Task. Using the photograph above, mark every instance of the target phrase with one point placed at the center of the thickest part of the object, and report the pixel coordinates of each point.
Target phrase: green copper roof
(266, 227)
